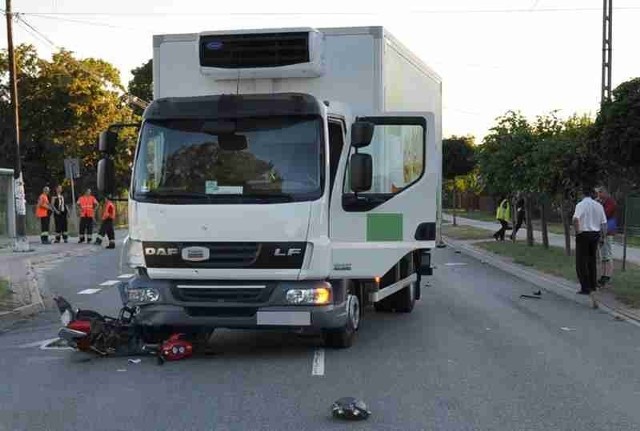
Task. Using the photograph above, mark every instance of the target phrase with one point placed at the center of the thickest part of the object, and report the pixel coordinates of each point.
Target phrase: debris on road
(350, 409)
(564, 328)
(135, 361)
(534, 296)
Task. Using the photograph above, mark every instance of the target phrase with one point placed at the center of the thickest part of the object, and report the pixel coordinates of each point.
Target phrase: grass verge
(474, 215)
(625, 285)
(462, 232)
(5, 293)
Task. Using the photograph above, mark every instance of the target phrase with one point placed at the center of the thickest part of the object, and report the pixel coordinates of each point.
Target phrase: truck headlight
(319, 295)
(135, 254)
(147, 294)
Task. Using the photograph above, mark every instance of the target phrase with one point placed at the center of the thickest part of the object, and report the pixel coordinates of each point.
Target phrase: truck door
(370, 231)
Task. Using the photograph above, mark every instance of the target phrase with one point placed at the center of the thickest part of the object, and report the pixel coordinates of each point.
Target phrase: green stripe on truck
(384, 227)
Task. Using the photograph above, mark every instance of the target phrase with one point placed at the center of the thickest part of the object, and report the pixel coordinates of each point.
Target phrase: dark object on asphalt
(458, 252)
(538, 293)
(534, 296)
(351, 409)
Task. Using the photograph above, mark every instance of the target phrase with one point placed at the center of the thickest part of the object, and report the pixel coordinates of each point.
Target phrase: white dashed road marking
(109, 283)
(125, 276)
(318, 363)
(89, 291)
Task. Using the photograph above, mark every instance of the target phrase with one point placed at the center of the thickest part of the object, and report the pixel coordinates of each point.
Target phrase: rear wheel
(344, 337)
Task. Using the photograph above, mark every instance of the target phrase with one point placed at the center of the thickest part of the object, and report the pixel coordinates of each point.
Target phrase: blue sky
(493, 55)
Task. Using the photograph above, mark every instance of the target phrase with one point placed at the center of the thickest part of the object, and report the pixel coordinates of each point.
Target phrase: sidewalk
(633, 254)
(22, 271)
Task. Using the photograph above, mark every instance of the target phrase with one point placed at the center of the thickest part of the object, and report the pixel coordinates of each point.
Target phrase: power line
(419, 11)
(80, 21)
(106, 82)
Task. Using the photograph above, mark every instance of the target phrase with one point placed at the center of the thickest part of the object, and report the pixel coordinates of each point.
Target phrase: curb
(549, 283)
(37, 301)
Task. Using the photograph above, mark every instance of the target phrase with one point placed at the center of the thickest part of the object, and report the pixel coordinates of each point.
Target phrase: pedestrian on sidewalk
(60, 216)
(606, 242)
(87, 205)
(503, 215)
(589, 221)
(519, 218)
(108, 219)
(43, 212)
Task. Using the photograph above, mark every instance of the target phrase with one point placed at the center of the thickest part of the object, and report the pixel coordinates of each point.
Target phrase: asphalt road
(472, 356)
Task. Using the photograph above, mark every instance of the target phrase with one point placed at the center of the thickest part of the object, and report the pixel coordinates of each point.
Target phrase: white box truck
(283, 178)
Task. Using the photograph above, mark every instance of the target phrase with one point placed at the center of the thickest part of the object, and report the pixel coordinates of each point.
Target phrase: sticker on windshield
(211, 187)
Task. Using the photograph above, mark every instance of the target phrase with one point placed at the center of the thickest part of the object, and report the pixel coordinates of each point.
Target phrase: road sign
(72, 168)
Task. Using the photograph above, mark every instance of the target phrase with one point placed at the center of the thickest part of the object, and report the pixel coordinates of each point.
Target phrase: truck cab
(274, 209)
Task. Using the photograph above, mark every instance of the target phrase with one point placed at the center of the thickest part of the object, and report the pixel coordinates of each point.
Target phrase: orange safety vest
(109, 211)
(43, 206)
(87, 206)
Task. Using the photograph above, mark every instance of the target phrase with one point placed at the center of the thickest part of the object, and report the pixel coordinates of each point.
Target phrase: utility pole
(607, 47)
(21, 242)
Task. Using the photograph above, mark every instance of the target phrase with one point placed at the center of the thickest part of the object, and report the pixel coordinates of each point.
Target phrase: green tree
(505, 160)
(65, 103)
(141, 85)
(458, 155)
(617, 134)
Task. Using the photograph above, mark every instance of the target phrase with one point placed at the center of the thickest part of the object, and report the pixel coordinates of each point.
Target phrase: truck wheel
(343, 337)
(405, 299)
(383, 306)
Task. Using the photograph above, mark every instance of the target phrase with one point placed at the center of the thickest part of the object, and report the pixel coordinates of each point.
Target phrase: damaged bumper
(235, 305)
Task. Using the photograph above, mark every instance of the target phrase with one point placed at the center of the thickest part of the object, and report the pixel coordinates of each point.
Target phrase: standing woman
(61, 215)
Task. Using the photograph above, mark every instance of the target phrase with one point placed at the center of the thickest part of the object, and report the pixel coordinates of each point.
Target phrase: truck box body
(279, 87)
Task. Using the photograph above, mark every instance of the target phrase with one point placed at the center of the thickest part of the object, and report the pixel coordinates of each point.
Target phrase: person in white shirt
(590, 222)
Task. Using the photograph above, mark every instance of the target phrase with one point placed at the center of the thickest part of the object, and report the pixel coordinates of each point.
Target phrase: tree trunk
(455, 206)
(567, 227)
(543, 221)
(528, 216)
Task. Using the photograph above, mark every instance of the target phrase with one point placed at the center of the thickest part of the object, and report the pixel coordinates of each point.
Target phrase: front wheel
(344, 337)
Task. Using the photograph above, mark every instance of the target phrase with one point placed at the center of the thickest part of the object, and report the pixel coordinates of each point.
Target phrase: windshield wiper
(173, 194)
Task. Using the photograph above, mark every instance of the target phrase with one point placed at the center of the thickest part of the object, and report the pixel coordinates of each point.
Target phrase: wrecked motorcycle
(91, 332)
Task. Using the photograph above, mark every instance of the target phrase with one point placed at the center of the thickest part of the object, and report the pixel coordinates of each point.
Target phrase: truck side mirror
(361, 172)
(107, 142)
(106, 176)
(361, 133)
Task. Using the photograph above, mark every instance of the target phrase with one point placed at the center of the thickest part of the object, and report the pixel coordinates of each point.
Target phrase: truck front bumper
(268, 310)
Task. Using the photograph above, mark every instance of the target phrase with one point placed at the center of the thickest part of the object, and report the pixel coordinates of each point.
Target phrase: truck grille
(224, 293)
(233, 254)
(225, 255)
(238, 51)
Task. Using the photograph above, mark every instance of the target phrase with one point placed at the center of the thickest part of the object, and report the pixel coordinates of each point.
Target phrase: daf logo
(160, 251)
(195, 254)
(289, 252)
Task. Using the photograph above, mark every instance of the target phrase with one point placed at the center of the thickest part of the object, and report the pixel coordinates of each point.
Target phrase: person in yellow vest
(503, 215)
(106, 228)
(87, 205)
(43, 212)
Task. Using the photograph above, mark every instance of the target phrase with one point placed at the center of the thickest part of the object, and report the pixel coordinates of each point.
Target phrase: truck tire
(405, 299)
(344, 337)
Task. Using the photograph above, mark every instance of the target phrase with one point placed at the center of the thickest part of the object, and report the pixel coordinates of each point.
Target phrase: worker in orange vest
(108, 218)
(87, 205)
(43, 212)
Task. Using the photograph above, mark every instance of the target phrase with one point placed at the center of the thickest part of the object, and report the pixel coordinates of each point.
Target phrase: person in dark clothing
(520, 212)
(60, 215)
(589, 221)
(503, 215)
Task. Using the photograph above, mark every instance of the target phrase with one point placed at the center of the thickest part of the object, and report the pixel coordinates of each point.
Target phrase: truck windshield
(260, 160)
